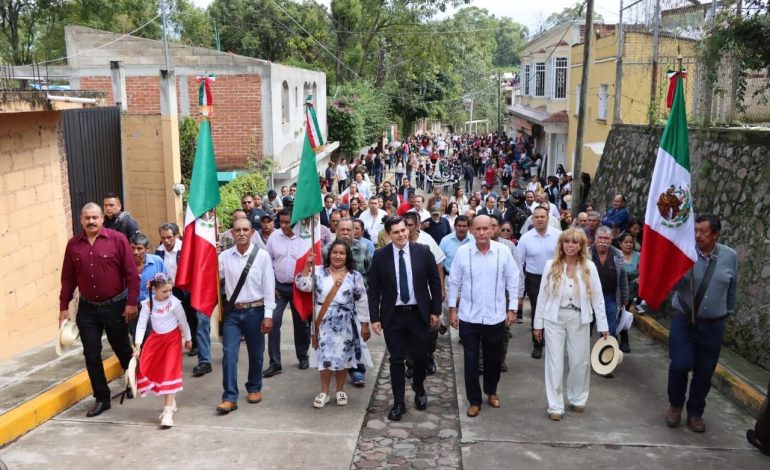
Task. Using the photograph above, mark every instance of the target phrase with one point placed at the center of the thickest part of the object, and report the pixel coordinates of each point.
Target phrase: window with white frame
(560, 82)
(602, 113)
(526, 79)
(539, 78)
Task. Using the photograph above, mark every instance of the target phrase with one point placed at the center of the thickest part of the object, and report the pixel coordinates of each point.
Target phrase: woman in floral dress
(343, 329)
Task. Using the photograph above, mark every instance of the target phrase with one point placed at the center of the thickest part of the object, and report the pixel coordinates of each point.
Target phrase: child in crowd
(160, 361)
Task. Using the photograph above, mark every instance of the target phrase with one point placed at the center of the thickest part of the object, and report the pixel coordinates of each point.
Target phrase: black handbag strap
(242, 279)
(703, 285)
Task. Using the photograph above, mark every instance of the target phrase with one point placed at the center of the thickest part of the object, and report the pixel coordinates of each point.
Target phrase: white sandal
(320, 400)
(342, 399)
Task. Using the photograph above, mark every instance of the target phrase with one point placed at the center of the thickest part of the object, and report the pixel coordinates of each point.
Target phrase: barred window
(526, 79)
(539, 78)
(560, 84)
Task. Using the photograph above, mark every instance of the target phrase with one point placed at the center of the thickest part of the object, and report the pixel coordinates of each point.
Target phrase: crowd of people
(405, 265)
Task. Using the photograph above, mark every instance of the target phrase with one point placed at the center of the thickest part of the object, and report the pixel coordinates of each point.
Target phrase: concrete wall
(35, 223)
(144, 178)
(731, 178)
(635, 100)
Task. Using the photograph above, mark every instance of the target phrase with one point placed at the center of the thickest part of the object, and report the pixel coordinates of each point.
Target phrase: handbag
(321, 313)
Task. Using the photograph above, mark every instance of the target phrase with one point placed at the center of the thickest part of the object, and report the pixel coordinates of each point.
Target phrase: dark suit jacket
(383, 278)
(324, 217)
(493, 212)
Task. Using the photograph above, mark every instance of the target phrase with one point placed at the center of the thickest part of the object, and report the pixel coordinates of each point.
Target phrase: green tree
(574, 12)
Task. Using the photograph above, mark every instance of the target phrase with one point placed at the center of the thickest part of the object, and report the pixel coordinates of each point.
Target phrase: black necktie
(403, 282)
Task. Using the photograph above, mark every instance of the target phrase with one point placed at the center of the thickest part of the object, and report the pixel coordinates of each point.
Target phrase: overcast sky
(526, 12)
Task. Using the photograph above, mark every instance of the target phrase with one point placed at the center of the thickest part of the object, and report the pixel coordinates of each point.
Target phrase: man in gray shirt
(695, 346)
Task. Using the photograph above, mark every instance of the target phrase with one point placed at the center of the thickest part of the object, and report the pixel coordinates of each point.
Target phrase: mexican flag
(198, 270)
(307, 205)
(669, 230)
(311, 122)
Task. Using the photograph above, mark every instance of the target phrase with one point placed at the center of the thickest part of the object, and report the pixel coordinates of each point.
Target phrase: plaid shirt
(361, 257)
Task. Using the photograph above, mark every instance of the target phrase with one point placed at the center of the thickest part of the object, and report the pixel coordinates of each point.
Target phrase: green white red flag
(311, 122)
(669, 231)
(198, 271)
(307, 205)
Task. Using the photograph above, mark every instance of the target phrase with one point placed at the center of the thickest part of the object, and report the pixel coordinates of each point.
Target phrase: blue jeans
(203, 333)
(698, 353)
(248, 323)
(611, 310)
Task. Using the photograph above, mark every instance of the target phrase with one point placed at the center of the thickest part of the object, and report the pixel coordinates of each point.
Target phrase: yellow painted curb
(724, 379)
(33, 413)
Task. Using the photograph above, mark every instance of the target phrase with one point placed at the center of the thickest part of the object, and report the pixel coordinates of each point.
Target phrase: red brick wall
(237, 123)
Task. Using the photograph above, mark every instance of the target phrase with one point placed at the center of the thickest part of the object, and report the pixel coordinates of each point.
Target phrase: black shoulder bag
(231, 301)
(698, 299)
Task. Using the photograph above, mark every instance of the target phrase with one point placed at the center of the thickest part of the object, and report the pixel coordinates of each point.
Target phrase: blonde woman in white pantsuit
(570, 296)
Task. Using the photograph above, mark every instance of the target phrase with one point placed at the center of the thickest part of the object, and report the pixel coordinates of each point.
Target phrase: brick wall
(237, 123)
(32, 185)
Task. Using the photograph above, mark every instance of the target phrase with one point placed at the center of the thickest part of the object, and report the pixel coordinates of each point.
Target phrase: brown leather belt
(245, 305)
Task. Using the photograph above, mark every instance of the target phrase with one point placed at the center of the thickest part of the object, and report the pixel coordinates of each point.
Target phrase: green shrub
(231, 193)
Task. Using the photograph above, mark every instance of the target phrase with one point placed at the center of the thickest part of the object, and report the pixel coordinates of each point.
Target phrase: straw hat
(606, 355)
(68, 333)
(131, 375)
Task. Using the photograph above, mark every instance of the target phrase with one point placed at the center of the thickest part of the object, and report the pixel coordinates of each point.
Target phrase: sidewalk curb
(33, 413)
(727, 382)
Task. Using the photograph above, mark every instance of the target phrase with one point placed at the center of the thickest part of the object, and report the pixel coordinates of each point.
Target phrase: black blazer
(383, 278)
(324, 217)
(493, 212)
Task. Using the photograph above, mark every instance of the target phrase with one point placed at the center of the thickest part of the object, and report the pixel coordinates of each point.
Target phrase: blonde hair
(557, 267)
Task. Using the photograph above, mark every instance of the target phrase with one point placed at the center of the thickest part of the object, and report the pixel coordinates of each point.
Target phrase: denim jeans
(699, 353)
(248, 323)
(611, 310)
(203, 333)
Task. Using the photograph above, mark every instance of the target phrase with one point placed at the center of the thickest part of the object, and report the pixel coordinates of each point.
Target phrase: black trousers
(407, 332)
(189, 313)
(762, 427)
(532, 288)
(488, 340)
(285, 296)
(92, 321)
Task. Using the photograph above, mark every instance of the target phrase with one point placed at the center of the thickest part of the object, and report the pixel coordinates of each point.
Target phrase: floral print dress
(340, 345)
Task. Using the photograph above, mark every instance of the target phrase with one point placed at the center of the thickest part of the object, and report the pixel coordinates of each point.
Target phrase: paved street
(623, 425)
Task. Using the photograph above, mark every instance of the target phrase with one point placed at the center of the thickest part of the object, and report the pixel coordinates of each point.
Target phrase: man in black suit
(327, 210)
(490, 208)
(405, 301)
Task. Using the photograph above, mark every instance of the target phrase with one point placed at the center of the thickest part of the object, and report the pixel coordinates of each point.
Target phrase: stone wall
(731, 178)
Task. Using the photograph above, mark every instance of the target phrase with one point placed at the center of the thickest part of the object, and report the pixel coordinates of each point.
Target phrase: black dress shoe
(271, 371)
(421, 400)
(201, 369)
(537, 352)
(129, 392)
(431, 369)
(395, 413)
(192, 352)
(303, 364)
(98, 408)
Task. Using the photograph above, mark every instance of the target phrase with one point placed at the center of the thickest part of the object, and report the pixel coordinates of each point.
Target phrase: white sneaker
(167, 417)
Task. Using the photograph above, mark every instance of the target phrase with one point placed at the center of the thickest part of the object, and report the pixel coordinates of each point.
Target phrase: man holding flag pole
(701, 272)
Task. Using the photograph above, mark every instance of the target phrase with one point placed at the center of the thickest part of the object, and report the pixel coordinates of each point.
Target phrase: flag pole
(312, 274)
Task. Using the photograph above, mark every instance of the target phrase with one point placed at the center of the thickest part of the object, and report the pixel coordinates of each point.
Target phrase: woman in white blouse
(570, 295)
(452, 211)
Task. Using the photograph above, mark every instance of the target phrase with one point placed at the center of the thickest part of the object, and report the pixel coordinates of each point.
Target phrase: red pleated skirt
(160, 365)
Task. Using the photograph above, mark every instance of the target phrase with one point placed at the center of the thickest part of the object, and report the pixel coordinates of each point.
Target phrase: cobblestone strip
(422, 439)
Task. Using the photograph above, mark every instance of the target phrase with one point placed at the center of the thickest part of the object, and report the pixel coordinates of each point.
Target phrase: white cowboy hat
(131, 375)
(625, 320)
(68, 333)
(606, 355)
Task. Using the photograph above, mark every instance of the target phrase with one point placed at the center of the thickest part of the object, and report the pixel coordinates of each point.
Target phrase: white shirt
(373, 223)
(285, 252)
(169, 257)
(534, 250)
(425, 239)
(481, 280)
(260, 282)
(342, 172)
(365, 189)
(552, 222)
(422, 214)
(408, 261)
(166, 316)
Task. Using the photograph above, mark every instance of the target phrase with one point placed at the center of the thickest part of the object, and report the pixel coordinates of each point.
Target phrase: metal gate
(93, 145)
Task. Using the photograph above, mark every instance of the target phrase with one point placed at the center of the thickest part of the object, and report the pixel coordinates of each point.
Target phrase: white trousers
(577, 336)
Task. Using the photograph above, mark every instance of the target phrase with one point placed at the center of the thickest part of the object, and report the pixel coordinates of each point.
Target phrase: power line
(88, 51)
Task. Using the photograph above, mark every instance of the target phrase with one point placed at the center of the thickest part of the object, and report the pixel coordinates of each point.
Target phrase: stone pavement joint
(422, 439)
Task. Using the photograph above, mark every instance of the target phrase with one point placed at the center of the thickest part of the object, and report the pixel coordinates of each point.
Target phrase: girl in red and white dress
(160, 361)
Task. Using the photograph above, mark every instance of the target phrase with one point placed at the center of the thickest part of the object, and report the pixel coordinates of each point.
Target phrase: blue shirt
(449, 245)
(369, 245)
(152, 265)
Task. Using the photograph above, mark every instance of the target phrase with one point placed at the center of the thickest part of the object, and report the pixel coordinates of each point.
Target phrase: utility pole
(654, 81)
(164, 12)
(499, 92)
(617, 119)
(577, 181)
